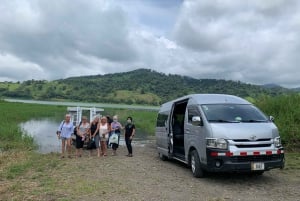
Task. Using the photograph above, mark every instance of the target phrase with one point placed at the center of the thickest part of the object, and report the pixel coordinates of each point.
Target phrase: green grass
(134, 97)
(145, 121)
(9, 86)
(292, 161)
(286, 110)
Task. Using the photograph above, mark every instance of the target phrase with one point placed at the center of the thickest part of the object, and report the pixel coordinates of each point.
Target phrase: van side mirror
(271, 118)
(196, 121)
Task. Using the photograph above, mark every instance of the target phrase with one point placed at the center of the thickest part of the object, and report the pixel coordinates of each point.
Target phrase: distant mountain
(272, 85)
(142, 86)
(275, 87)
(296, 89)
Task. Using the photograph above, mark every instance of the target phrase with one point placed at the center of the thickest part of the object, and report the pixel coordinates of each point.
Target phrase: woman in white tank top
(103, 132)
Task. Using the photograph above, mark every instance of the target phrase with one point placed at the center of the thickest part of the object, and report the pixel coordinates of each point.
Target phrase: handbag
(91, 144)
(114, 138)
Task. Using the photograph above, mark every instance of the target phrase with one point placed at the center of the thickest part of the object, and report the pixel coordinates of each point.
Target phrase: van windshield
(233, 113)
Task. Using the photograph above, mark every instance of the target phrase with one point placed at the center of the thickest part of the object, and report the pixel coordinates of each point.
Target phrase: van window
(161, 120)
(233, 113)
(191, 113)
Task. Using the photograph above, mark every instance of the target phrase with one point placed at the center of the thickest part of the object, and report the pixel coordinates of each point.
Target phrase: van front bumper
(224, 161)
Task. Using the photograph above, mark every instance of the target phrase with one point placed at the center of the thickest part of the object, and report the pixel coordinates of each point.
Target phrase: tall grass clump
(12, 114)
(286, 111)
(144, 120)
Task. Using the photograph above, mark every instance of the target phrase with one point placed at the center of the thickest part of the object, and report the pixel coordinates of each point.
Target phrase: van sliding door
(176, 136)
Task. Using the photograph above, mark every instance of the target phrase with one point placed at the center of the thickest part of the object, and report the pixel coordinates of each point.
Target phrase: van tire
(162, 157)
(195, 165)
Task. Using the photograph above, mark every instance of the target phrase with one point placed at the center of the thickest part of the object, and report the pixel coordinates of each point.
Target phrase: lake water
(83, 104)
(43, 132)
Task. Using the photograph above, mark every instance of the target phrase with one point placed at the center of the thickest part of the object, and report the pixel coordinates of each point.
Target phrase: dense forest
(142, 86)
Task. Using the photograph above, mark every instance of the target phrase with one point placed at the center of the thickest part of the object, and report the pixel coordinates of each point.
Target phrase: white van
(218, 133)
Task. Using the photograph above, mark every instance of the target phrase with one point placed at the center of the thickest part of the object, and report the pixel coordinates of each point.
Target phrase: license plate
(257, 166)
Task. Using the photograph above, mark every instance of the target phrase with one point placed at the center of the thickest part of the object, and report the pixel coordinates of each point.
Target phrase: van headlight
(277, 142)
(218, 143)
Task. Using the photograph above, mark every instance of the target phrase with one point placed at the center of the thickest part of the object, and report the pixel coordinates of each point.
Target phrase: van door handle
(187, 130)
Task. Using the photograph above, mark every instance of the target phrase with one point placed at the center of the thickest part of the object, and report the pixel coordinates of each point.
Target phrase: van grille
(260, 158)
(246, 143)
(247, 140)
(253, 145)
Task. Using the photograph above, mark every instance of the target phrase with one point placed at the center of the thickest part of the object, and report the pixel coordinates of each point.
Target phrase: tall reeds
(286, 111)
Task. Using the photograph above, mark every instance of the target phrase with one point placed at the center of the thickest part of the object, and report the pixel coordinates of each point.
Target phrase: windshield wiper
(254, 120)
(223, 121)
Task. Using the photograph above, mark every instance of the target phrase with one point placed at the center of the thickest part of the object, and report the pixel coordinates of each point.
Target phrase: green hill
(142, 86)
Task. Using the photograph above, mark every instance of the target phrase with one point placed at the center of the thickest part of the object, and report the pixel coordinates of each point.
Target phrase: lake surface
(43, 132)
(81, 104)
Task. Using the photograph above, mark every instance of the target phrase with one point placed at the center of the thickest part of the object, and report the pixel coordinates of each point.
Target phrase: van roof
(208, 99)
(216, 98)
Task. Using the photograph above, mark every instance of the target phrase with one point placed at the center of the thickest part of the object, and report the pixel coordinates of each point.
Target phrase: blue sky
(252, 41)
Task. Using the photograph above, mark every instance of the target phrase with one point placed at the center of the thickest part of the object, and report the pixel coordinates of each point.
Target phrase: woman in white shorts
(104, 130)
(64, 133)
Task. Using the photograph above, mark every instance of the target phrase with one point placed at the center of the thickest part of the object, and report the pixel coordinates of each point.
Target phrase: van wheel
(195, 165)
(162, 157)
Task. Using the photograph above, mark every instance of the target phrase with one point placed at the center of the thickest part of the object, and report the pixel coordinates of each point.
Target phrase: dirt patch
(145, 177)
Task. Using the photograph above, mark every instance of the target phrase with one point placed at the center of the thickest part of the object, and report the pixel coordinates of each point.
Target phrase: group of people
(98, 132)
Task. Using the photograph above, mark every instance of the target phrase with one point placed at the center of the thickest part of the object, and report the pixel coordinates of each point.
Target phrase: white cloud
(14, 69)
(252, 41)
